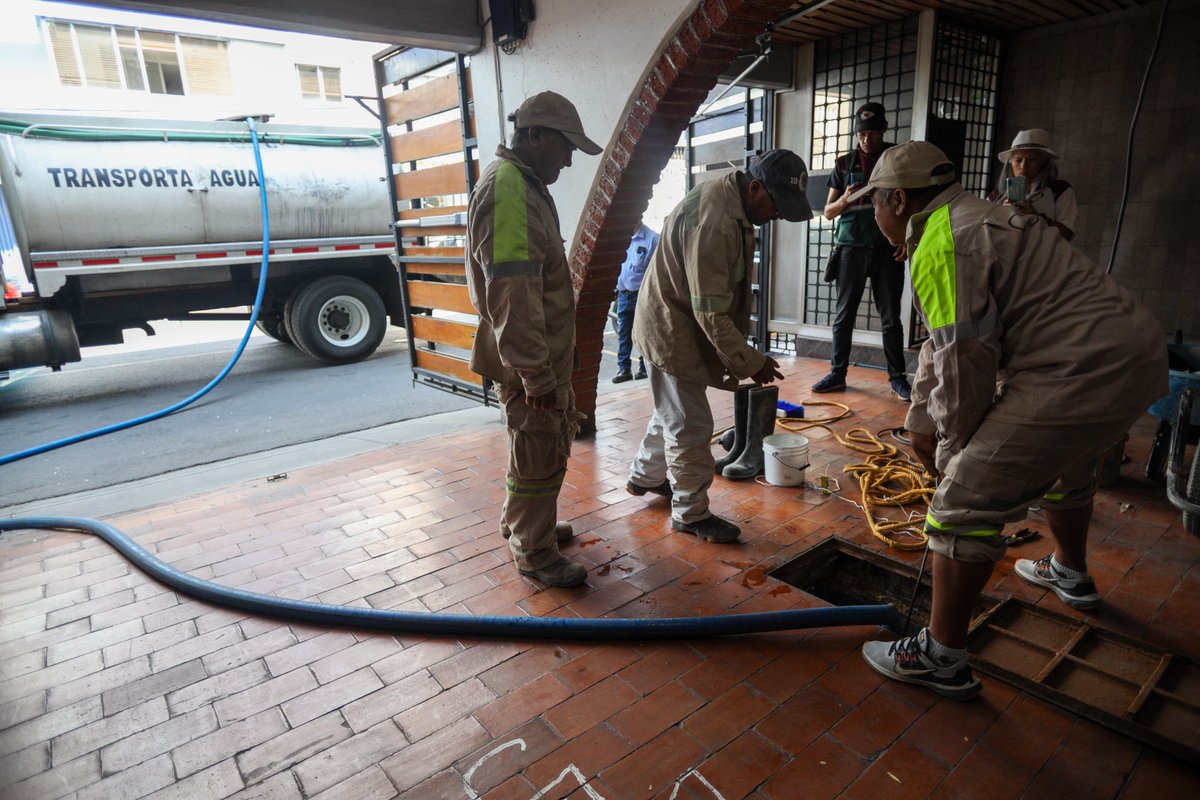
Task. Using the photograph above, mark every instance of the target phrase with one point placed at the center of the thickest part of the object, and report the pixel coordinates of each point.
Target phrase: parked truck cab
(122, 222)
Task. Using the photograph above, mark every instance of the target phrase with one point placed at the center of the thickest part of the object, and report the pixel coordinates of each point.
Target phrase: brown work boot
(710, 529)
(563, 532)
(637, 490)
(564, 573)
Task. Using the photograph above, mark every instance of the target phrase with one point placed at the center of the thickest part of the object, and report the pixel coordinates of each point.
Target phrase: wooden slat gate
(429, 131)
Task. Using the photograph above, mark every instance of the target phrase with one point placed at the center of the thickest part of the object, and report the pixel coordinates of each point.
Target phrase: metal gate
(429, 134)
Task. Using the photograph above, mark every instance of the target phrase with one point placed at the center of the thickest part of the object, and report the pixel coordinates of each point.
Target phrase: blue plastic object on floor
(790, 410)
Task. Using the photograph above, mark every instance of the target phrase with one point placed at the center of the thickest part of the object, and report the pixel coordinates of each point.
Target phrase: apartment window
(320, 83)
(158, 62)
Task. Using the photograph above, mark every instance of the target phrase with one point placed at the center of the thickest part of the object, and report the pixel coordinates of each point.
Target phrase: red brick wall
(703, 47)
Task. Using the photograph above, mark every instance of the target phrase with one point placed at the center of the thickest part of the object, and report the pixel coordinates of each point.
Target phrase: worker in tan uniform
(520, 284)
(692, 321)
(1007, 303)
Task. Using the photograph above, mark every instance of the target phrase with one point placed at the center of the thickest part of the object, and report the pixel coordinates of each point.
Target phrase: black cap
(870, 117)
(786, 178)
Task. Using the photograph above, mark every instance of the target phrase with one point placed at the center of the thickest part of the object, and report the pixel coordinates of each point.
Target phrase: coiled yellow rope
(885, 478)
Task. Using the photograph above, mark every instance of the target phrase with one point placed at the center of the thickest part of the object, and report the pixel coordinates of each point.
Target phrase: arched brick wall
(703, 47)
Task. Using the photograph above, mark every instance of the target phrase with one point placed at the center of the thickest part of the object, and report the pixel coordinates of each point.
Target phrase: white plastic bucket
(785, 456)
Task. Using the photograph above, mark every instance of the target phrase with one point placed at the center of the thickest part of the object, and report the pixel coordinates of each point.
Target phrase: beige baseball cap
(552, 110)
(913, 165)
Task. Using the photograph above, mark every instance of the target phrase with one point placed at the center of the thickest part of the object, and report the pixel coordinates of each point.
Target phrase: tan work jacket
(519, 281)
(693, 311)
(1008, 301)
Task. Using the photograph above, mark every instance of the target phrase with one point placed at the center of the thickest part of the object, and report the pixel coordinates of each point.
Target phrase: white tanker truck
(122, 222)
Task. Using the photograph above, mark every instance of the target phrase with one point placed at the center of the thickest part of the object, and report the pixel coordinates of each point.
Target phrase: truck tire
(337, 319)
(272, 325)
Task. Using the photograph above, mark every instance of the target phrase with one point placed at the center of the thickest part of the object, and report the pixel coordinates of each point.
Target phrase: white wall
(262, 63)
(593, 53)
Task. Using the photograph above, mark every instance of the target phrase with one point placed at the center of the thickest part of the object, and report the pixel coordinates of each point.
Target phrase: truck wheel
(337, 319)
(272, 325)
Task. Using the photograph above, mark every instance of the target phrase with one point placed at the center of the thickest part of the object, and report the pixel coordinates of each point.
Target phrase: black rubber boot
(741, 410)
(760, 422)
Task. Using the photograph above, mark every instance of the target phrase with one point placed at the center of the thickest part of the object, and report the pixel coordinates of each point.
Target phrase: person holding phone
(1030, 184)
(861, 252)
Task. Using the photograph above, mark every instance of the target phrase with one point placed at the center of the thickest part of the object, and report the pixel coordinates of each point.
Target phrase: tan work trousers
(539, 443)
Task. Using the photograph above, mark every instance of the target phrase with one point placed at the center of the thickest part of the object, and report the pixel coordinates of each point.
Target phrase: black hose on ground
(461, 624)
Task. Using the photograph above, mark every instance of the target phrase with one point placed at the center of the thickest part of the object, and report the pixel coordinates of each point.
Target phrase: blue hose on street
(262, 285)
(411, 622)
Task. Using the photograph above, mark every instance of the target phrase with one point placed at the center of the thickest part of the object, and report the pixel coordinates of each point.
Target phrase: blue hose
(461, 624)
(262, 285)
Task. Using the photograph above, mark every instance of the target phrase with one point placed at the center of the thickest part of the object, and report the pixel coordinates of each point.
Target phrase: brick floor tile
(595, 665)
(741, 766)
(727, 717)
(985, 773)
(217, 782)
(370, 784)
(84, 608)
(644, 773)
(439, 711)
(648, 717)
(1027, 733)
(48, 726)
(876, 722)
(58, 781)
(95, 735)
(24, 764)
(590, 753)
(471, 662)
(659, 667)
(521, 704)
(1104, 746)
(248, 649)
(284, 751)
(287, 660)
(948, 729)
(196, 647)
(590, 707)
(445, 785)
(264, 695)
(403, 593)
(205, 751)
(851, 679)
(20, 665)
(22, 709)
(1073, 774)
(392, 699)
(132, 783)
(157, 684)
(374, 648)
(803, 718)
(725, 665)
(213, 689)
(92, 642)
(152, 642)
(96, 683)
(901, 772)
(429, 756)
(497, 761)
(156, 740)
(785, 676)
(349, 757)
(822, 770)
(330, 696)
(1158, 777)
(539, 659)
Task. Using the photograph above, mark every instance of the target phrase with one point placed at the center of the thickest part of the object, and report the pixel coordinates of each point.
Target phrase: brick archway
(705, 44)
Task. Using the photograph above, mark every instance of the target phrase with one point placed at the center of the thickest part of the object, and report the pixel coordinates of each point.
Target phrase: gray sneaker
(564, 573)
(1076, 592)
(909, 660)
(710, 529)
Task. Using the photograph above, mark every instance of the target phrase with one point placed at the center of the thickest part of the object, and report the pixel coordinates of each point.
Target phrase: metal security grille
(966, 80)
(874, 64)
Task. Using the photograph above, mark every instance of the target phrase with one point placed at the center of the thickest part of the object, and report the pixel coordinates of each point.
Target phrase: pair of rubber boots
(753, 418)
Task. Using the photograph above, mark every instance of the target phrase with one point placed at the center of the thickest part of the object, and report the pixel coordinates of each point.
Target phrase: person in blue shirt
(637, 258)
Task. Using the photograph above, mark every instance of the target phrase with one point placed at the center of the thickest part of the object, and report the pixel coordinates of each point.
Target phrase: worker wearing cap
(1006, 300)
(692, 320)
(520, 284)
(861, 252)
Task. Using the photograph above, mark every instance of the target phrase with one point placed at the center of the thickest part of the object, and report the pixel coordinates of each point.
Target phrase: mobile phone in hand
(1014, 188)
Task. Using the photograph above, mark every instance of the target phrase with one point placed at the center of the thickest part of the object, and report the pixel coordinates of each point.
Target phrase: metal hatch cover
(1134, 688)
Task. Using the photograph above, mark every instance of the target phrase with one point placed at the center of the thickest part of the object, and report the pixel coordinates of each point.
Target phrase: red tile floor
(113, 687)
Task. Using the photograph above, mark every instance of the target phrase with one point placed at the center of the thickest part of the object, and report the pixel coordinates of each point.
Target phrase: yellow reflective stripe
(962, 530)
(532, 489)
(934, 274)
(712, 304)
(1054, 495)
(510, 223)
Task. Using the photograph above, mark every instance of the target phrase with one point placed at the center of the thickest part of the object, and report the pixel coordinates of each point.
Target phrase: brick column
(703, 47)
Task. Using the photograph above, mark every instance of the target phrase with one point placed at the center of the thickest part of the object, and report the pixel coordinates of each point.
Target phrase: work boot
(833, 382)
(726, 440)
(622, 377)
(760, 422)
(564, 573)
(710, 529)
(741, 411)
(637, 490)
(563, 532)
